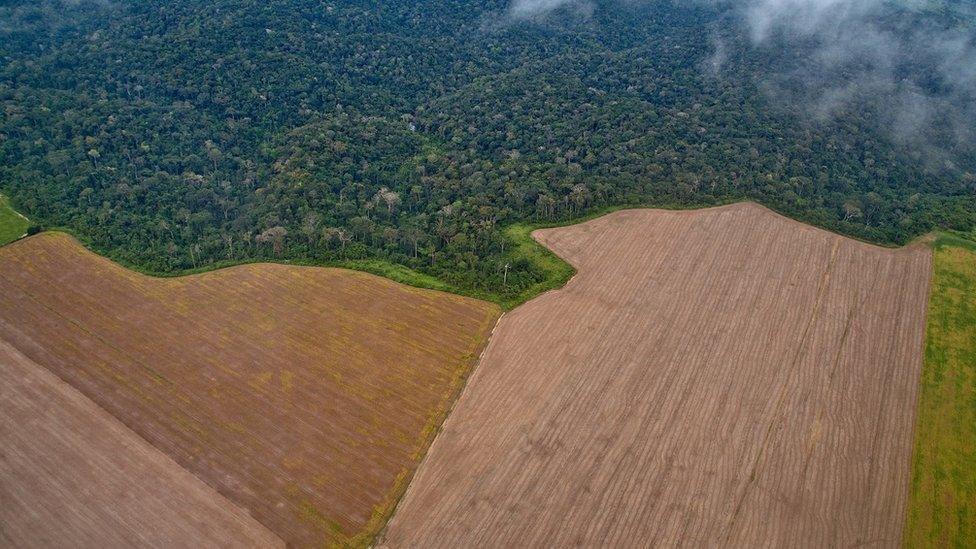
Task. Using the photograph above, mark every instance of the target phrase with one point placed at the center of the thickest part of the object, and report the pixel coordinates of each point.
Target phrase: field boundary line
(465, 383)
(153, 373)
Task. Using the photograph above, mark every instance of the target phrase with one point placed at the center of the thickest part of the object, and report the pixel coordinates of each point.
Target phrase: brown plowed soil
(722, 377)
(304, 395)
(71, 475)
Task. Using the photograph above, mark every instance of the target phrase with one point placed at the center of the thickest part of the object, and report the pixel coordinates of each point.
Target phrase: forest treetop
(175, 134)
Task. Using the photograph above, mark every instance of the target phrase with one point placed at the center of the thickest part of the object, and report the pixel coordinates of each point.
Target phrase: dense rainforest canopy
(175, 134)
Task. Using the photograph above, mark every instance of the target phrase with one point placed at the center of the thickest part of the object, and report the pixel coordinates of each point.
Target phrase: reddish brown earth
(723, 377)
(304, 395)
(72, 475)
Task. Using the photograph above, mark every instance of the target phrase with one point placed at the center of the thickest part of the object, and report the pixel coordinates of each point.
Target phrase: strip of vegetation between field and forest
(521, 251)
(13, 225)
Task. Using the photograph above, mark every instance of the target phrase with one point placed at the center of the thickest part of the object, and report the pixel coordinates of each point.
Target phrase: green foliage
(942, 503)
(12, 224)
(185, 134)
(525, 253)
(955, 240)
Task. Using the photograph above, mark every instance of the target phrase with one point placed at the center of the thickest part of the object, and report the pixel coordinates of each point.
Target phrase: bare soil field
(304, 395)
(721, 377)
(71, 474)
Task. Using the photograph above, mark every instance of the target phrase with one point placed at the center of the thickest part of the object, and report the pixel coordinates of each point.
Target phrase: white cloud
(846, 51)
(529, 9)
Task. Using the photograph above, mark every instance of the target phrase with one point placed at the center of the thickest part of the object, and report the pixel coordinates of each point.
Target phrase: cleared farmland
(718, 377)
(304, 395)
(72, 474)
(942, 504)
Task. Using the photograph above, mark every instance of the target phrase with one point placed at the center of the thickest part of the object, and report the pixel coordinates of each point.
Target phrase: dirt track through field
(72, 475)
(722, 377)
(304, 395)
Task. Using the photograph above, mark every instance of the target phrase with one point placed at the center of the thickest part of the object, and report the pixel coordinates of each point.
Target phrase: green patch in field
(398, 273)
(942, 503)
(956, 240)
(521, 248)
(524, 248)
(555, 272)
(12, 224)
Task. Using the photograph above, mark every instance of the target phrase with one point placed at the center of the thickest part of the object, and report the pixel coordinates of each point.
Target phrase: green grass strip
(12, 224)
(942, 502)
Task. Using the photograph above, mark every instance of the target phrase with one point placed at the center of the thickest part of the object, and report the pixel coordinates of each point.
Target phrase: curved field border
(943, 496)
(520, 247)
(717, 377)
(304, 395)
(558, 272)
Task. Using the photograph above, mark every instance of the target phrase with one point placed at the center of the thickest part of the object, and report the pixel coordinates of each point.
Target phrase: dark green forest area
(174, 135)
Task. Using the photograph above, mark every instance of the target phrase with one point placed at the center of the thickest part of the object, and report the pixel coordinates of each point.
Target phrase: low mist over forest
(175, 134)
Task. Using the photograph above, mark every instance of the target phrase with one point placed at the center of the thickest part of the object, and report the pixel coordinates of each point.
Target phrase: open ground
(71, 474)
(942, 504)
(305, 396)
(712, 377)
